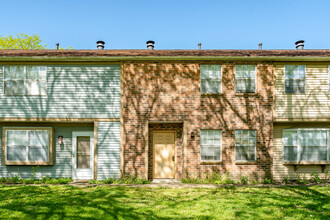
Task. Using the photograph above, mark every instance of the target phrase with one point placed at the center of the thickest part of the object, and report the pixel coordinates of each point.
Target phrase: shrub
(267, 181)
(244, 180)
(315, 177)
(286, 180)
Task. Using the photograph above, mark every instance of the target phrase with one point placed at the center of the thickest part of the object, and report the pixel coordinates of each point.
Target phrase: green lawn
(103, 202)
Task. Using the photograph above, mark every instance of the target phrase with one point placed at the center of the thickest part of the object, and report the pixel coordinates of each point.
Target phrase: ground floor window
(245, 145)
(28, 145)
(210, 142)
(306, 144)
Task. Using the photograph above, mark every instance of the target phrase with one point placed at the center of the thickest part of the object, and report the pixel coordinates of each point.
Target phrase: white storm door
(82, 155)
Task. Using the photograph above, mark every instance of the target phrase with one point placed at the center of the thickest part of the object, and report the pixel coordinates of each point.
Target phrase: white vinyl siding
(295, 78)
(245, 78)
(25, 80)
(306, 144)
(211, 78)
(210, 144)
(27, 145)
(245, 145)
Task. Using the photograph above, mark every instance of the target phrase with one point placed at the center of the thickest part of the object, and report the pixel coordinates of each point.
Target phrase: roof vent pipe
(150, 44)
(300, 44)
(100, 45)
(199, 46)
(260, 46)
(57, 46)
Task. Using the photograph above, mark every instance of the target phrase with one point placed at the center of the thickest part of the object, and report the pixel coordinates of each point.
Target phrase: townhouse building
(95, 114)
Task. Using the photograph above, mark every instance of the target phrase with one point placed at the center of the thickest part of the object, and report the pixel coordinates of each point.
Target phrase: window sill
(307, 163)
(211, 162)
(296, 165)
(7, 163)
(246, 94)
(211, 94)
(246, 163)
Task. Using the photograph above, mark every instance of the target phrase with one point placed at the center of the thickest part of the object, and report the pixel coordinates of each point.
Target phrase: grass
(104, 202)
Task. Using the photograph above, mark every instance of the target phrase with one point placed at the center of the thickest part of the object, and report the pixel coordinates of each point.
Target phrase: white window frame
(200, 67)
(3, 80)
(200, 144)
(285, 78)
(240, 145)
(50, 160)
(255, 78)
(298, 130)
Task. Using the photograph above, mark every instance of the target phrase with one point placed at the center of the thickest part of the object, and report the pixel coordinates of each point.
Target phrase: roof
(162, 54)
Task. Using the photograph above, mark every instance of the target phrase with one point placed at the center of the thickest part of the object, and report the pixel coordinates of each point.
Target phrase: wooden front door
(164, 154)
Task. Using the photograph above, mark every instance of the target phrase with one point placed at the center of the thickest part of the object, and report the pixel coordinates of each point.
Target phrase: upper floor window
(28, 146)
(245, 78)
(294, 79)
(25, 80)
(306, 144)
(245, 145)
(210, 145)
(211, 78)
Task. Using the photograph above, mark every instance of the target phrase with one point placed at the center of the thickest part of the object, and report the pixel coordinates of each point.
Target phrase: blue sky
(173, 24)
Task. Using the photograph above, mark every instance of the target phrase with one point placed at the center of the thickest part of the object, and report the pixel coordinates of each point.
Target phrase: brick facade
(170, 92)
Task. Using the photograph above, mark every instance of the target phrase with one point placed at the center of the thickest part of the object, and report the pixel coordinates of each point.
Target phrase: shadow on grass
(163, 203)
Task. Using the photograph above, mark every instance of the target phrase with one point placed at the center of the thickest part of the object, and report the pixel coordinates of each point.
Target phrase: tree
(22, 41)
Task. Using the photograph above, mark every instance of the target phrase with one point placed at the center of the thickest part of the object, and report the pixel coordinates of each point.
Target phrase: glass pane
(210, 86)
(38, 154)
(16, 153)
(289, 138)
(18, 138)
(313, 153)
(36, 72)
(290, 153)
(83, 161)
(83, 144)
(203, 137)
(39, 138)
(36, 87)
(14, 87)
(14, 72)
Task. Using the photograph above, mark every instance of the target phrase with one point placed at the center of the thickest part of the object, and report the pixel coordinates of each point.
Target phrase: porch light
(192, 135)
(60, 140)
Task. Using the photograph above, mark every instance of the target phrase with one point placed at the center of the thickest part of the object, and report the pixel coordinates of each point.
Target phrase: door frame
(74, 153)
(153, 151)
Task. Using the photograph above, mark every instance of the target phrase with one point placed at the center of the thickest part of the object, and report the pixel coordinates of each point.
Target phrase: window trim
(255, 78)
(200, 78)
(255, 146)
(200, 148)
(3, 80)
(51, 146)
(304, 83)
(299, 145)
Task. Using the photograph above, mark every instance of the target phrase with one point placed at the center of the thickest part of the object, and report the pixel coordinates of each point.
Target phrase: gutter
(164, 58)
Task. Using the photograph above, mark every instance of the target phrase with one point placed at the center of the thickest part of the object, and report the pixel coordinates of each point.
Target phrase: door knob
(173, 158)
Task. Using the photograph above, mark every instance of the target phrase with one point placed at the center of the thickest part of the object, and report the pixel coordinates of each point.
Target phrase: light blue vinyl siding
(62, 157)
(72, 92)
(108, 150)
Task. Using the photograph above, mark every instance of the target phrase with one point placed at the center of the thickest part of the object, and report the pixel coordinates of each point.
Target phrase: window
(306, 144)
(294, 79)
(245, 145)
(28, 146)
(211, 78)
(329, 77)
(210, 142)
(25, 80)
(245, 78)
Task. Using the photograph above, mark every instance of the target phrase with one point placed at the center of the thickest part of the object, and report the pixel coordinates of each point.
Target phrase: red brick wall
(171, 92)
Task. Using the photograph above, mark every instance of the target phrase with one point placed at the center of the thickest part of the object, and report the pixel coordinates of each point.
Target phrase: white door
(82, 155)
